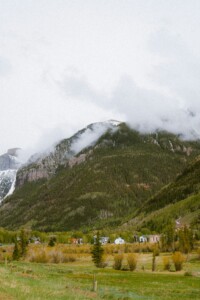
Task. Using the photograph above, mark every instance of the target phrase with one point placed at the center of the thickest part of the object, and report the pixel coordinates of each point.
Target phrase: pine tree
(16, 252)
(23, 242)
(97, 252)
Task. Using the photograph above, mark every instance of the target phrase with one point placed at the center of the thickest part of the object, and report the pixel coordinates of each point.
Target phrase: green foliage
(186, 240)
(6, 236)
(186, 184)
(23, 241)
(97, 252)
(52, 241)
(16, 252)
(168, 238)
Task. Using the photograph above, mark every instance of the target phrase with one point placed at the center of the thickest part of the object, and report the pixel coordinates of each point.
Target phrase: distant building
(143, 239)
(119, 241)
(150, 238)
(153, 238)
(104, 240)
(75, 241)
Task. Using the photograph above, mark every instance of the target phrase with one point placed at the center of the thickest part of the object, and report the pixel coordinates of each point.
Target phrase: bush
(54, 256)
(166, 263)
(38, 256)
(52, 241)
(132, 261)
(118, 258)
(188, 273)
(178, 260)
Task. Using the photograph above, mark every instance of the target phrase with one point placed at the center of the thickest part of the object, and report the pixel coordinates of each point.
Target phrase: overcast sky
(67, 63)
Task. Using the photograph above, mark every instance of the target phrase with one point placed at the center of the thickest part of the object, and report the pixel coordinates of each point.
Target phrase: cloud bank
(65, 64)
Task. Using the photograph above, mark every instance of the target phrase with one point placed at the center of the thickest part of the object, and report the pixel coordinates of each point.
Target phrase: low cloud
(90, 136)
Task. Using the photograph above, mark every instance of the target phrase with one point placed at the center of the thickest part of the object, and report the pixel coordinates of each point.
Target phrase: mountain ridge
(101, 184)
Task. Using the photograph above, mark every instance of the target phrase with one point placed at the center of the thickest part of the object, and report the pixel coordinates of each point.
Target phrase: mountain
(45, 165)
(178, 201)
(98, 177)
(8, 169)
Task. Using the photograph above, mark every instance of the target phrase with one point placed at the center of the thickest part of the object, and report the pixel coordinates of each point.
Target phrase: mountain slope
(102, 184)
(179, 200)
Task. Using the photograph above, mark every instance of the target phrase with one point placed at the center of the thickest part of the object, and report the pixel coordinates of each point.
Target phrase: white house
(142, 239)
(119, 241)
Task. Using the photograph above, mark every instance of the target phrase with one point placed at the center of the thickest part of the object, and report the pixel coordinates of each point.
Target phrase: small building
(143, 239)
(153, 238)
(119, 241)
(75, 241)
(104, 240)
(150, 238)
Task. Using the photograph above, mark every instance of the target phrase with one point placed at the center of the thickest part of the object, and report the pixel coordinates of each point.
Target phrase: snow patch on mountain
(9, 164)
(7, 183)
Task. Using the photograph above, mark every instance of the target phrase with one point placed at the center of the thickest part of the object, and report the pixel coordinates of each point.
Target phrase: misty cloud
(5, 66)
(90, 136)
(66, 64)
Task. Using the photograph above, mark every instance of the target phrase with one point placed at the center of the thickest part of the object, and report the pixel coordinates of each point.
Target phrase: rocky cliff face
(9, 165)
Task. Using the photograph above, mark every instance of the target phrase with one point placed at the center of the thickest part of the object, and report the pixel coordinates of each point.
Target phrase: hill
(178, 201)
(97, 184)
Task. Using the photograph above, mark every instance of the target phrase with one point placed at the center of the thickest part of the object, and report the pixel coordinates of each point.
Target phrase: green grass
(22, 281)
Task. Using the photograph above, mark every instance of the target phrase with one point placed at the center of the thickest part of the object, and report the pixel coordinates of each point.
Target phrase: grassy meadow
(41, 275)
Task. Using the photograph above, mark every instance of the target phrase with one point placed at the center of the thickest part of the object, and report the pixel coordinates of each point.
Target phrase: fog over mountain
(65, 64)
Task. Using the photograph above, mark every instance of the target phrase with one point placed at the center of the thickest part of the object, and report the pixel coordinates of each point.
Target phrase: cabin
(75, 241)
(150, 238)
(119, 241)
(153, 238)
(104, 240)
(143, 239)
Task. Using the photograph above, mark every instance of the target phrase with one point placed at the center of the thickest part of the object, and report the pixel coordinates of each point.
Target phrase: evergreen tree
(52, 241)
(16, 252)
(23, 242)
(97, 252)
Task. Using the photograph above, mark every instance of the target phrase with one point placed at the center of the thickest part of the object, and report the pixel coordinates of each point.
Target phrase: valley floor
(27, 281)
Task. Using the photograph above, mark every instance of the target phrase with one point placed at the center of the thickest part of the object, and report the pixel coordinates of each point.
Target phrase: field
(25, 280)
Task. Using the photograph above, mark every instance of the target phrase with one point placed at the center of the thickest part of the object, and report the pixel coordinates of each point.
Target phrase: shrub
(55, 257)
(178, 260)
(118, 258)
(68, 258)
(132, 261)
(45, 256)
(52, 241)
(188, 273)
(38, 256)
(166, 263)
